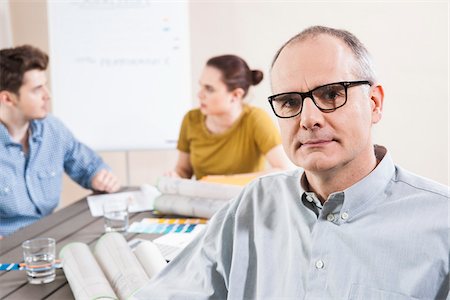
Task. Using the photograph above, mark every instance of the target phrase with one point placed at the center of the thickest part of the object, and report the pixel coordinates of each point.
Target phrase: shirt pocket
(50, 181)
(8, 204)
(362, 292)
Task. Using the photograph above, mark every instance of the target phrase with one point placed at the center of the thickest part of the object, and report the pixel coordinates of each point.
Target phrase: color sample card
(164, 225)
(174, 221)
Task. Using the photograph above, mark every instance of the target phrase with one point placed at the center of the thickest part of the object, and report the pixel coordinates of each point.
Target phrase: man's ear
(7, 98)
(377, 99)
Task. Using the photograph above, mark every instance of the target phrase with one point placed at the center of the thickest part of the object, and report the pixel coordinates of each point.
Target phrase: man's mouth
(313, 143)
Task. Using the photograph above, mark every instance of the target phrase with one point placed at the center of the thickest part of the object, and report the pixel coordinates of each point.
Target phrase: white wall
(5, 25)
(408, 39)
(409, 43)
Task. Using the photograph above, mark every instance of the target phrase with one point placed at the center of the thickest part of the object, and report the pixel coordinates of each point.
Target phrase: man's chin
(41, 116)
(314, 162)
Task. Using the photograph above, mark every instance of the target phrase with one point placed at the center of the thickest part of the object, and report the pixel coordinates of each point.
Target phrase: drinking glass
(39, 258)
(115, 215)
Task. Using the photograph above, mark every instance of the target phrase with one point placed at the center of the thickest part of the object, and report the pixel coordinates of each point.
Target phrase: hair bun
(257, 76)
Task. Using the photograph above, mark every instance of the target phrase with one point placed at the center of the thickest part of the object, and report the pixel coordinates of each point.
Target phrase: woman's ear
(237, 94)
(377, 100)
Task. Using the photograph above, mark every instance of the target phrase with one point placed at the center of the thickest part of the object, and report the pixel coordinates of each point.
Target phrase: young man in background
(35, 147)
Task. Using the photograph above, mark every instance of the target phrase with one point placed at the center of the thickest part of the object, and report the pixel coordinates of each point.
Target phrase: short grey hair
(364, 69)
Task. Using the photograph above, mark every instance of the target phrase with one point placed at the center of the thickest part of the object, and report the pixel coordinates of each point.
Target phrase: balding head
(363, 66)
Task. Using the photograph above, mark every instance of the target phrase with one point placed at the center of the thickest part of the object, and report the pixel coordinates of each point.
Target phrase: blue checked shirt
(30, 185)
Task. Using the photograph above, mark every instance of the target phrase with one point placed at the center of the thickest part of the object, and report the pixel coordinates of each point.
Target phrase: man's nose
(47, 94)
(311, 116)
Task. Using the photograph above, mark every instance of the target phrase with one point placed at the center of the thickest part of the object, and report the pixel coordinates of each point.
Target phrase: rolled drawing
(194, 188)
(188, 206)
(83, 273)
(150, 258)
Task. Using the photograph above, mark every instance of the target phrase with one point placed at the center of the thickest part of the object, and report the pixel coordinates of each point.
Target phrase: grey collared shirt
(385, 237)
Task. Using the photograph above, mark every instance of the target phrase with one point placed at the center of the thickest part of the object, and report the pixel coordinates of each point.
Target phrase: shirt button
(309, 198)
(53, 173)
(330, 217)
(6, 189)
(344, 216)
(319, 264)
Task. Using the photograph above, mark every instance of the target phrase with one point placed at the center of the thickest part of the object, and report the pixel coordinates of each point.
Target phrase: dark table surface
(73, 223)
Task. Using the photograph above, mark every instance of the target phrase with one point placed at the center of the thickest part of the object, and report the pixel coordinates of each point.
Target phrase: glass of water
(39, 257)
(115, 214)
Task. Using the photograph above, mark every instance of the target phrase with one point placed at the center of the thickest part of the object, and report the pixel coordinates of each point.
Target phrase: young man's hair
(14, 62)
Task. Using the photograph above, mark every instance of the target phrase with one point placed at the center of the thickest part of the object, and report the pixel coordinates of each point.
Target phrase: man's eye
(37, 90)
(330, 93)
(288, 102)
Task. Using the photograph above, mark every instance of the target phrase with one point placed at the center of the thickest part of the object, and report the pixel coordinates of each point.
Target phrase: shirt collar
(36, 130)
(5, 138)
(368, 189)
(309, 199)
(356, 197)
(36, 133)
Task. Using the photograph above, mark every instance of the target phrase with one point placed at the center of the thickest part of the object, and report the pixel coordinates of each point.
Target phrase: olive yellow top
(240, 149)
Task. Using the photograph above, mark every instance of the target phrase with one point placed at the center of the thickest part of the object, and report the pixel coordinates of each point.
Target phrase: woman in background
(225, 136)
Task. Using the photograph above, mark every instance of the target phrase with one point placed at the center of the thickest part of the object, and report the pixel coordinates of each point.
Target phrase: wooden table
(73, 223)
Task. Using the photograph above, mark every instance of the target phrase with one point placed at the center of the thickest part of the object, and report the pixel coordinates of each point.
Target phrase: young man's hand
(105, 181)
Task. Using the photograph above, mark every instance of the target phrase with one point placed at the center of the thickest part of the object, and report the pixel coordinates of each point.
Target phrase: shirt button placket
(344, 216)
(319, 264)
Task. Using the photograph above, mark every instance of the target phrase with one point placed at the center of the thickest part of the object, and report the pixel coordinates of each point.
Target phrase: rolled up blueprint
(194, 188)
(120, 265)
(188, 206)
(85, 277)
(150, 258)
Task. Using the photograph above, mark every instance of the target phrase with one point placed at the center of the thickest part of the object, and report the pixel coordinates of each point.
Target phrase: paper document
(171, 244)
(141, 200)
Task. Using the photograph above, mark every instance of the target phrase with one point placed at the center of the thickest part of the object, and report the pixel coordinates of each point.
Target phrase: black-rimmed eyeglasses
(327, 98)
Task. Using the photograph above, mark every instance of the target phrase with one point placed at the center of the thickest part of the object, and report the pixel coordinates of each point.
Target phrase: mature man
(35, 148)
(352, 225)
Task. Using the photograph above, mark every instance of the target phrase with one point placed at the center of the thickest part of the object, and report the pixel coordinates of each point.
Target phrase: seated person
(349, 225)
(35, 147)
(226, 136)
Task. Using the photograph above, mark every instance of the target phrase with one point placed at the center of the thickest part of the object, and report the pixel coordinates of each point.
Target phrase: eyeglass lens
(327, 97)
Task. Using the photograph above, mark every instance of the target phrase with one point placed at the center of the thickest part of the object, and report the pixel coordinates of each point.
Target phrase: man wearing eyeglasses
(351, 225)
